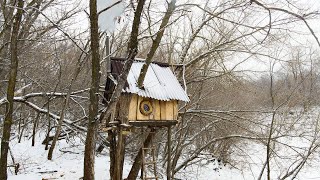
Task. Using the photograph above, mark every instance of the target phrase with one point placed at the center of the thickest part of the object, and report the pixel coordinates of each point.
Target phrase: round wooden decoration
(146, 107)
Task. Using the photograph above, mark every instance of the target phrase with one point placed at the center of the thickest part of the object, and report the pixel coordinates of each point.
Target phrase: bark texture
(5, 48)
(156, 42)
(89, 154)
(10, 91)
(109, 111)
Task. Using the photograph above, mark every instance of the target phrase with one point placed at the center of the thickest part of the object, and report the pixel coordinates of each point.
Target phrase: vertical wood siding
(162, 110)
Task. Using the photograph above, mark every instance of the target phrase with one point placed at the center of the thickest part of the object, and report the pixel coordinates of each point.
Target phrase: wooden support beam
(169, 154)
(153, 123)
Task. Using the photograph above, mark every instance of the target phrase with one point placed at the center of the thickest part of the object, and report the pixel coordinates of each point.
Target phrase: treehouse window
(146, 107)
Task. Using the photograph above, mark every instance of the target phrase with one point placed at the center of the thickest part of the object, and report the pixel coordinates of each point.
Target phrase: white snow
(160, 83)
(108, 18)
(25, 177)
(67, 161)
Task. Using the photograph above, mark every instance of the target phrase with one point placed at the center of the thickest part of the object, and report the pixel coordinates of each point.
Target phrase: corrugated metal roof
(160, 83)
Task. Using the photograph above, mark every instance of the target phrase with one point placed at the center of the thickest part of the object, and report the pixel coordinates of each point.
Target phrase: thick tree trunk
(112, 151)
(121, 137)
(89, 154)
(111, 106)
(10, 92)
(4, 47)
(155, 44)
(119, 155)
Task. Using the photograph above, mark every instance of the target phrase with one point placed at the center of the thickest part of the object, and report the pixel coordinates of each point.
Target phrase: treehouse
(156, 104)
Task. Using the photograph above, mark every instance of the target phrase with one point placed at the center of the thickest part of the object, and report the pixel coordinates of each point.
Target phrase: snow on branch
(42, 94)
(3, 101)
(69, 123)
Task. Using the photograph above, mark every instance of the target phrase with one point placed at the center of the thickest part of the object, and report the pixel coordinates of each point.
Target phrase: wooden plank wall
(133, 107)
(175, 109)
(156, 109)
(162, 110)
(123, 108)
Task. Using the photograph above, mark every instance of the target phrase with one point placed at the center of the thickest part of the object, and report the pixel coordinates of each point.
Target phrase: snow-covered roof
(160, 83)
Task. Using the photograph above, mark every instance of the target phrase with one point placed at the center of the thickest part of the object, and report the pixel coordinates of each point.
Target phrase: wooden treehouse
(153, 106)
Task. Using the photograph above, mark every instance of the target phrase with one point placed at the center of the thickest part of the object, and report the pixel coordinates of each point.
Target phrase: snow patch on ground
(67, 163)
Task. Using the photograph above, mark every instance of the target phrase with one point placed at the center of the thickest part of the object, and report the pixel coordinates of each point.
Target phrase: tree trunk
(21, 124)
(4, 47)
(169, 154)
(112, 151)
(49, 125)
(122, 113)
(119, 155)
(111, 106)
(64, 107)
(156, 42)
(89, 154)
(58, 128)
(10, 92)
(35, 122)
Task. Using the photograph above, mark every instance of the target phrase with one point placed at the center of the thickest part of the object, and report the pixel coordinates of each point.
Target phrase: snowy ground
(67, 162)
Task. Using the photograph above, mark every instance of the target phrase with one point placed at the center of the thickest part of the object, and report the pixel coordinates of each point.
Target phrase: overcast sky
(107, 22)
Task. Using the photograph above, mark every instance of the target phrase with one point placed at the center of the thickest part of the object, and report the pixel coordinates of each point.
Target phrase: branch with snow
(42, 94)
(3, 101)
(69, 123)
(108, 12)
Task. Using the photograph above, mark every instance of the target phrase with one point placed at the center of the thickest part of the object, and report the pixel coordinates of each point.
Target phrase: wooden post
(169, 154)
(122, 112)
(108, 58)
(119, 155)
(141, 171)
(142, 156)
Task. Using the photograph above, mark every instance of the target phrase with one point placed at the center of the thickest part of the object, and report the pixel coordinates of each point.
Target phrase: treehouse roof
(160, 82)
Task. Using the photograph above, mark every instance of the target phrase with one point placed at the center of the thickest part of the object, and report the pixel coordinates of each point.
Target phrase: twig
(107, 8)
